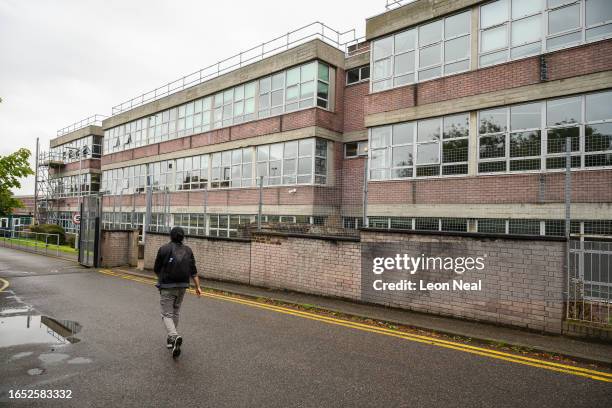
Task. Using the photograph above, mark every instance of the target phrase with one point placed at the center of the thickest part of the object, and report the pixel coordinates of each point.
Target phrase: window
(355, 149)
(438, 48)
(533, 136)
(430, 147)
(359, 74)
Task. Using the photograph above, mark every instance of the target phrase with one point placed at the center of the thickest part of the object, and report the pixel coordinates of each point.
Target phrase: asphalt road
(235, 355)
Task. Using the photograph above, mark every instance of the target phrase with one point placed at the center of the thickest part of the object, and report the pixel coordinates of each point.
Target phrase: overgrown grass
(40, 245)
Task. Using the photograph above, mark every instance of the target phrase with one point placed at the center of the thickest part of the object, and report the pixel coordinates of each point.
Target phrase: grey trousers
(170, 300)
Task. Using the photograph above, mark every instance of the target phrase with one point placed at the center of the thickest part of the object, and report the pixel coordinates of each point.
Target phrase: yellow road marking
(563, 368)
(5, 284)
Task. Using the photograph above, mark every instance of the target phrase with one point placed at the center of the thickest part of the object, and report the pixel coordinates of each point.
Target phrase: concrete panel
(357, 60)
(77, 134)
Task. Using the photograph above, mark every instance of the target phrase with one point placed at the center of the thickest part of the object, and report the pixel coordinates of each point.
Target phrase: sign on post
(76, 218)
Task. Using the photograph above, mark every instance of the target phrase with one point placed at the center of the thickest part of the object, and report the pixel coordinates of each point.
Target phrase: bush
(49, 229)
(70, 240)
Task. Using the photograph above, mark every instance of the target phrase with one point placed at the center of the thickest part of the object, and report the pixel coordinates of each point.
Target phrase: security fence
(36, 242)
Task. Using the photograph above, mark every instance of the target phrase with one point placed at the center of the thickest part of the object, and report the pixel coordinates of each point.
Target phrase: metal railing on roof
(95, 120)
(338, 39)
(393, 4)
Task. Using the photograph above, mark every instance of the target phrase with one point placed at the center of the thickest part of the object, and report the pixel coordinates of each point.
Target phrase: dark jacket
(175, 262)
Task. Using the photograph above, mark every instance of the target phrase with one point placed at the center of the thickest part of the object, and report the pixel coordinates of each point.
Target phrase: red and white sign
(76, 218)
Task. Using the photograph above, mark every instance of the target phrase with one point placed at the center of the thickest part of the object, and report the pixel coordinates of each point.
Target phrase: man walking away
(174, 265)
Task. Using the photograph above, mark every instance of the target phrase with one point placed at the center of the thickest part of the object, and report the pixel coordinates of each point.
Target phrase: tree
(13, 167)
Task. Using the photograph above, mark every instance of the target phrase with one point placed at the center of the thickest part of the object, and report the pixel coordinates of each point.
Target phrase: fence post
(365, 222)
(568, 197)
(260, 203)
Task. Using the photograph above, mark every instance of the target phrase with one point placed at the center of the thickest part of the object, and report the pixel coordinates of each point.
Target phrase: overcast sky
(62, 61)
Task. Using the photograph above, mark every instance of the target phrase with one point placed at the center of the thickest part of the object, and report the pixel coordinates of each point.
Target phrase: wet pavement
(234, 355)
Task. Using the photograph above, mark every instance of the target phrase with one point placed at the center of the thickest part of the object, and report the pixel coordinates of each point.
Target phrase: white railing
(393, 4)
(95, 120)
(316, 30)
(37, 242)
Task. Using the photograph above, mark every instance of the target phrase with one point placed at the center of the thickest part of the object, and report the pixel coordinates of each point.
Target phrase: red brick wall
(354, 104)
(85, 164)
(183, 143)
(592, 186)
(583, 60)
(256, 128)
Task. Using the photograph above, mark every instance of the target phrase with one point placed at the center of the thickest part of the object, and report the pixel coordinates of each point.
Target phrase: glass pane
(430, 33)
(379, 136)
(525, 144)
(557, 137)
(405, 41)
(560, 41)
(404, 63)
(429, 56)
(293, 76)
(456, 67)
(598, 32)
(524, 50)
(378, 159)
(598, 11)
(428, 130)
(306, 147)
(563, 111)
(493, 120)
(598, 137)
(264, 85)
(403, 133)
(457, 25)
(599, 106)
(492, 146)
(493, 13)
(382, 69)
(278, 81)
(382, 48)
(494, 58)
(522, 8)
(456, 126)
(352, 76)
(525, 116)
(564, 19)
(323, 72)
(456, 49)
(308, 72)
(305, 165)
(322, 90)
(455, 151)
(430, 73)
(292, 93)
(493, 39)
(526, 30)
(290, 149)
(402, 156)
(276, 151)
(428, 153)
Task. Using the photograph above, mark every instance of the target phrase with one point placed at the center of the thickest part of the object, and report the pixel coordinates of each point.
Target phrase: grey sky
(62, 61)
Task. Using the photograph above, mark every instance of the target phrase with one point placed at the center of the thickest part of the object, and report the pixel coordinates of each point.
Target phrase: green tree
(13, 167)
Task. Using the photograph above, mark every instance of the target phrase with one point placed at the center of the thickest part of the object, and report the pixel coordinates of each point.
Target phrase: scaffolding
(47, 187)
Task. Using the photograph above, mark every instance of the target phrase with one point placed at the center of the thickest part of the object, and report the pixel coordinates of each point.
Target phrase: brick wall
(118, 248)
(522, 281)
(354, 104)
(216, 258)
(591, 186)
(323, 267)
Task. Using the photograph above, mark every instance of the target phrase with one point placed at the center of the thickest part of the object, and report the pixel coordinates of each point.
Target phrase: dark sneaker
(176, 346)
(169, 342)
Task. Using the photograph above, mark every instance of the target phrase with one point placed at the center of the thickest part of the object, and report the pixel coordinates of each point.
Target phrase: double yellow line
(5, 284)
(562, 368)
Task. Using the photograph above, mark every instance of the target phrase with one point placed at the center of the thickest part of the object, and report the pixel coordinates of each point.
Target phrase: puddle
(21, 355)
(30, 329)
(50, 358)
(35, 371)
(79, 360)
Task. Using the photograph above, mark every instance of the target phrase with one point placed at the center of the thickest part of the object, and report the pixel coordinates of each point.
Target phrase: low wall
(318, 265)
(118, 248)
(521, 283)
(216, 258)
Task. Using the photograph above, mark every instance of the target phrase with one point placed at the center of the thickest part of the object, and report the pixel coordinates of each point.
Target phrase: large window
(80, 149)
(511, 29)
(435, 49)
(289, 163)
(69, 186)
(533, 136)
(297, 88)
(430, 147)
(356, 75)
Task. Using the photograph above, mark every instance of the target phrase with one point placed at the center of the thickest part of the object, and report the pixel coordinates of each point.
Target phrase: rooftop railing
(393, 4)
(95, 120)
(316, 30)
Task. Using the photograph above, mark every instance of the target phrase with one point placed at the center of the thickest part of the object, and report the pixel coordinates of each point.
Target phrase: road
(236, 355)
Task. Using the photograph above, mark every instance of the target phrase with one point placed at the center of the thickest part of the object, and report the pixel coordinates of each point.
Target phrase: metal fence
(94, 120)
(590, 280)
(36, 242)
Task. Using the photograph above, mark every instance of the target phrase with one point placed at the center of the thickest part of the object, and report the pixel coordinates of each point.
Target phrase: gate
(590, 280)
(89, 234)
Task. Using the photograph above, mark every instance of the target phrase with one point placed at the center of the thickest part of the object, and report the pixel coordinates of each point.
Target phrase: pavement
(571, 347)
(240, 353)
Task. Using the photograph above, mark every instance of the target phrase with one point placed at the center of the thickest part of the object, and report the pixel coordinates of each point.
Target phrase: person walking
(174, 265)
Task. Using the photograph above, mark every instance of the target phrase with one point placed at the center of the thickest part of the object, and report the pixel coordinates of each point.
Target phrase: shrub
(49, 229)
